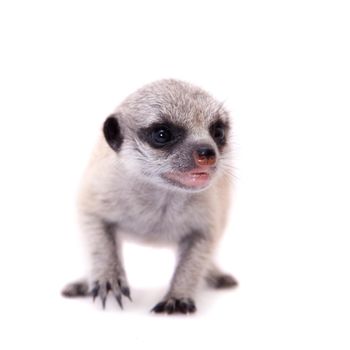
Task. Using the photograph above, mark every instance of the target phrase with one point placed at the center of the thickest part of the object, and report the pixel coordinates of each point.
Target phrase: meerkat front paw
(175, 305)
(116, 285)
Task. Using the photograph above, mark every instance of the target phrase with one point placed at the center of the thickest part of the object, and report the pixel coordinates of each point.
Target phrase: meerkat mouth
(191, 179)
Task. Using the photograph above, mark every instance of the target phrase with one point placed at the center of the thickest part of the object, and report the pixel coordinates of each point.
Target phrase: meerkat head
(172, 134)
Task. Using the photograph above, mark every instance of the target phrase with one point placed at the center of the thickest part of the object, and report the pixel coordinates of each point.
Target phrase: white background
(282, 67)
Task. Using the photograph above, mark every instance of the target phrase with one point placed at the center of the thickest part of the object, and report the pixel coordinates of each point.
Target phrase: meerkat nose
(205, 156)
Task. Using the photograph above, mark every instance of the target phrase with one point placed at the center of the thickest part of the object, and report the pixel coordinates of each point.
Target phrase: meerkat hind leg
(217, 279)
(78, 288)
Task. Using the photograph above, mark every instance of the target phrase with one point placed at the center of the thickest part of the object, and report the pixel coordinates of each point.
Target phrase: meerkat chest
(158, 216)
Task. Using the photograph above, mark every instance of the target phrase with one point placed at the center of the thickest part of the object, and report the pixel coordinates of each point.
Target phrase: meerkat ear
(111, 131)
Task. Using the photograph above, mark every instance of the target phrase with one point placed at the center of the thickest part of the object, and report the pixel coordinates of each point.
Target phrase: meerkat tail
(76, 289)
(220, 280)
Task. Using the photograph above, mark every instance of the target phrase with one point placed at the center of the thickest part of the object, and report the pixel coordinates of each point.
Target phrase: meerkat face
(172, 134)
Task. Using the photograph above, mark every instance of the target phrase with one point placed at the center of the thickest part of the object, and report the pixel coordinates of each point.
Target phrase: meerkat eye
(218, 133)
(161, 135)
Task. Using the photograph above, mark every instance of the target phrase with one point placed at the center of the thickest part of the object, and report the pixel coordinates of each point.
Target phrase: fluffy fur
(127, 192)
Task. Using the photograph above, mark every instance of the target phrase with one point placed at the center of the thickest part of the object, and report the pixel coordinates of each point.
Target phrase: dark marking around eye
(162, 135)
(218, 130)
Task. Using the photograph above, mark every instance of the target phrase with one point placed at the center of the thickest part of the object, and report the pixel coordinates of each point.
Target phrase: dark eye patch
(218, 130)
(162, 135)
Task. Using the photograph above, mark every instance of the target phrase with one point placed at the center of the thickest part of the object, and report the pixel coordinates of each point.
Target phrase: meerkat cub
(161, 174)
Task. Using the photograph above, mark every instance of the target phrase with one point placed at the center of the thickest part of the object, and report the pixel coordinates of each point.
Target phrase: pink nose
(204, 157)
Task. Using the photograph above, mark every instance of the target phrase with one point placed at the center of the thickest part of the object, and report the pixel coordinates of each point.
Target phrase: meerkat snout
(205, 157)
(199, 172)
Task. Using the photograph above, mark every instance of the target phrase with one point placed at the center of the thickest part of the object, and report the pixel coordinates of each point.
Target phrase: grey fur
(126, 194)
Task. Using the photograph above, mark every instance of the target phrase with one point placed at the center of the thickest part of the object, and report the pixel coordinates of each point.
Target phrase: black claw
(103, 290)
(159, 307)
(183, 307)
(191, 306)
(95, 291)
(170, 307)
(126, 292)
(119, 300)
(104, 302)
